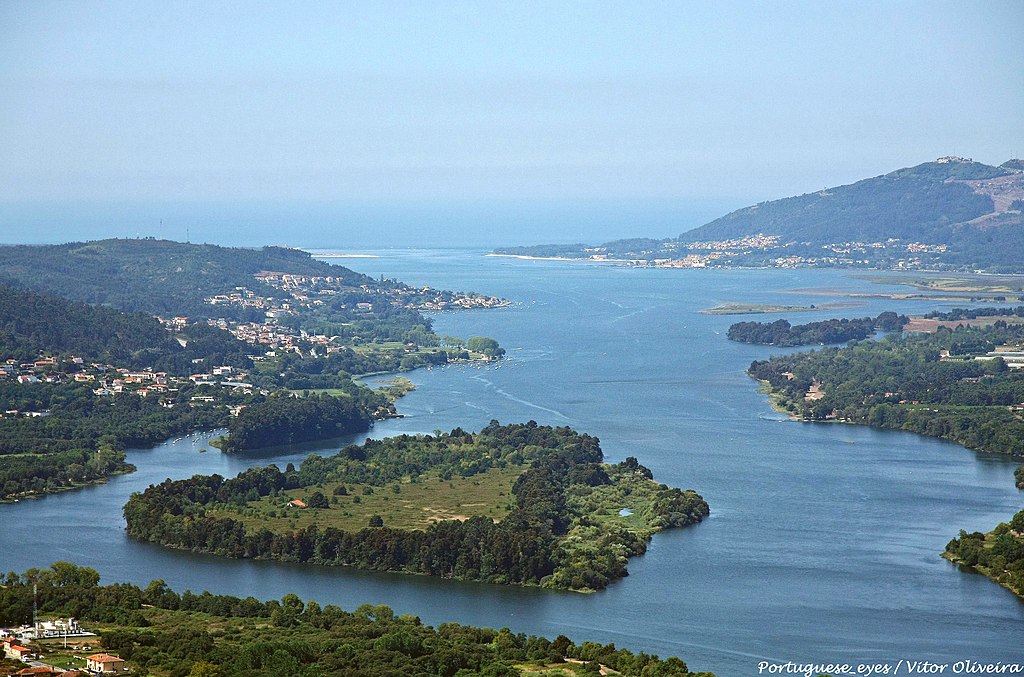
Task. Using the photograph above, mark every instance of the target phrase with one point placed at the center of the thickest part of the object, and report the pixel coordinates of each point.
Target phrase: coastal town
(305, 294)
(900, 255)
(273, 331)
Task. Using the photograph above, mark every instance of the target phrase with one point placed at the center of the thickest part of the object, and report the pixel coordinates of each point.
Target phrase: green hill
(160, 277)
(920, 204)
(32, 323)
(950, 213)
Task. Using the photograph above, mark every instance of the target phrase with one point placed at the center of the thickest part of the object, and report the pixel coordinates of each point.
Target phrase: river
(823, 542)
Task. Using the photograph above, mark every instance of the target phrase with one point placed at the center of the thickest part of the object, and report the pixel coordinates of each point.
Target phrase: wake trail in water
(509, 396)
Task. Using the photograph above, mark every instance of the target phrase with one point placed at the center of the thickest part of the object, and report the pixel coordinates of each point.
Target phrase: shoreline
(525, 257)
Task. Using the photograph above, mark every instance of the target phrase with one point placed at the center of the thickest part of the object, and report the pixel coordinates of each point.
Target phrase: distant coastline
(564, 258)
(336, 255)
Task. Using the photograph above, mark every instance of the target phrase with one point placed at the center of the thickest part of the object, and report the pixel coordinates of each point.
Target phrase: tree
(376, 521)
(205, 669)
(487, 346)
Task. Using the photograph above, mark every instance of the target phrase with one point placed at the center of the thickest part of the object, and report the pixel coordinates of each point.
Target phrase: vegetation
(781, 333)
(934, 203)
(374, 320)
(974, 313)
(288, 419)
(161, 632)
(66, 432)
(998, 554)
(926, 383)
(81, 438)
(942, 385)
(157, 277)
(915, 204)
(557, 529)
(32, 323)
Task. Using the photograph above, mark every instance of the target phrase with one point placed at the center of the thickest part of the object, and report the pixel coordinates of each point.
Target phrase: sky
(478, 123)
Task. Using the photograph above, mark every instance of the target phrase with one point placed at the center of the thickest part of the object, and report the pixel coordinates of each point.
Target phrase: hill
(33, 323)
(919, 203)
(158, 277)
(951, 213)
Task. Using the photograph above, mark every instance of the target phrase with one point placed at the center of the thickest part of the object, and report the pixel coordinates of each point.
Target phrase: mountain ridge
(951, 213)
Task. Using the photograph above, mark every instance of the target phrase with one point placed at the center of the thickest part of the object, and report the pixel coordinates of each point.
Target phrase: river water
(824, 539)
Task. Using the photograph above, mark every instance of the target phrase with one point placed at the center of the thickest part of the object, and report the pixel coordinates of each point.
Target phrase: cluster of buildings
(107, 380)
(15, 646)
(715, 253)
(746, 243)
(274, 338)
(307, 292)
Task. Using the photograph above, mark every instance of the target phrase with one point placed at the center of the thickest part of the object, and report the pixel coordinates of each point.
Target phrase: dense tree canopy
(158, 630)
(926, 383)
(554, 497)
(781, 333)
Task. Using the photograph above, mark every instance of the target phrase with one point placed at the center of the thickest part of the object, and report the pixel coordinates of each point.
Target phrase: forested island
(513, 504)
(781, 333)
(162, 632)
(118, 343)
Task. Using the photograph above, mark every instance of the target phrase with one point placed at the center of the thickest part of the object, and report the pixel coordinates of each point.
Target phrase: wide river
(823, 542)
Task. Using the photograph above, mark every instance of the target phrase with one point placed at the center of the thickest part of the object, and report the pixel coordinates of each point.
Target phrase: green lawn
(414, 506)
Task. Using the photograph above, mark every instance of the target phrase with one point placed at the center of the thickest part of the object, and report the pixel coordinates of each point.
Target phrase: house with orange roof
(102, 662)
(16, 651)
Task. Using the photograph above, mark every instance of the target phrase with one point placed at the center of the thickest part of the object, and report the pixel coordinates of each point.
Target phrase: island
(114, 344)
(158, 631)
(782, 333)
(513, 504)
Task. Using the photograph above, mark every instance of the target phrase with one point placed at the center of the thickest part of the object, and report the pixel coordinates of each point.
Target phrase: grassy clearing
(415, 505)
(69, 658)
(568, 669)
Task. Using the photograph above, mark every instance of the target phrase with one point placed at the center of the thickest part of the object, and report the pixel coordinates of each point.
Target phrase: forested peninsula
(955, 384)
(513, 504)
(162, 632)
(118, 343)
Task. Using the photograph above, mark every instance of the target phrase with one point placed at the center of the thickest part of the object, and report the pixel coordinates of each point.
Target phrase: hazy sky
(696, 106)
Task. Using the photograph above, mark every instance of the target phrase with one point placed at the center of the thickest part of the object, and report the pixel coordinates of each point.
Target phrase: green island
(112, 344)
(956, 384)
(513, 504)
(782, 333)
(155, 631)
